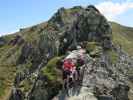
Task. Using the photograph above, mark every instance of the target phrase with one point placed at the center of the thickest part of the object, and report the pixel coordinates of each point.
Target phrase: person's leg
(75, 75)
(64, 84)
(78, 74)
(68, 79)
(71, 80)
(64, 79)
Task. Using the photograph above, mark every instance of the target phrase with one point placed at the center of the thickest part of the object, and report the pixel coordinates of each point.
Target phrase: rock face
(38, 75)
(105, 80)
(101, 81)
(86, 25)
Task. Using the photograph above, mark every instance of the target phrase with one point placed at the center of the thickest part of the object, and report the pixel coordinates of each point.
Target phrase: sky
(16, 14)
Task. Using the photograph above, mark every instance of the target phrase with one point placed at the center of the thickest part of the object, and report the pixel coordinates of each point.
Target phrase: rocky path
(78, 93)
(99, 79)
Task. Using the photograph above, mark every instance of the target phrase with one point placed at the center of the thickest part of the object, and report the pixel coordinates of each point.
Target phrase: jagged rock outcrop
(85, 25)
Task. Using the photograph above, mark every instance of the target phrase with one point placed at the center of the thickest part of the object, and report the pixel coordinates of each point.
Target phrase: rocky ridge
(38, 76)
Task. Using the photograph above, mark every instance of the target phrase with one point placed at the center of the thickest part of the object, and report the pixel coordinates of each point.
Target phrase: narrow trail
(79, 91)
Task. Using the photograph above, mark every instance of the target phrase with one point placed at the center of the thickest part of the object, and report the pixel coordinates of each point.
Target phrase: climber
(69, 70)
(80, 62)
(72, 63)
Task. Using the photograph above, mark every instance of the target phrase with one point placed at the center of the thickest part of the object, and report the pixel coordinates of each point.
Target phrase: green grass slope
(9, 55)
(123, 36)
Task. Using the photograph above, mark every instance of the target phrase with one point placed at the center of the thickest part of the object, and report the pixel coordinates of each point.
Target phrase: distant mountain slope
(123, 36)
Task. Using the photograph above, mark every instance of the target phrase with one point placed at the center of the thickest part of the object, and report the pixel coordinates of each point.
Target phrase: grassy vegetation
(74, 10)
(7, 74)
(3, 49)
(123, 36)
(2, 87)
(25, 85)
(54, 75)
(113, 56)
(90, 46)
(9, 37)
(31, 37)
(8, 57)
(93, 48)
(126, 44)
(51, 70)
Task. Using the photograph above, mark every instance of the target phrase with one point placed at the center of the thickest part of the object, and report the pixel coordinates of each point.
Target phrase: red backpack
(68, 65)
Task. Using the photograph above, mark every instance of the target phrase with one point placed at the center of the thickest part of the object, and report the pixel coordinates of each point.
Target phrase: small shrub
(25, 85)
(50, 70)
(90, 46)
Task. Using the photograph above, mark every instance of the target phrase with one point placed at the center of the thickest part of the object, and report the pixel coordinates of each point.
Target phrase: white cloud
(111, 10)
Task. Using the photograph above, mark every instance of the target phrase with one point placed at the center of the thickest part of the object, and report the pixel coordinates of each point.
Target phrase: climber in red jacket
(68, 64)
(69, 69)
